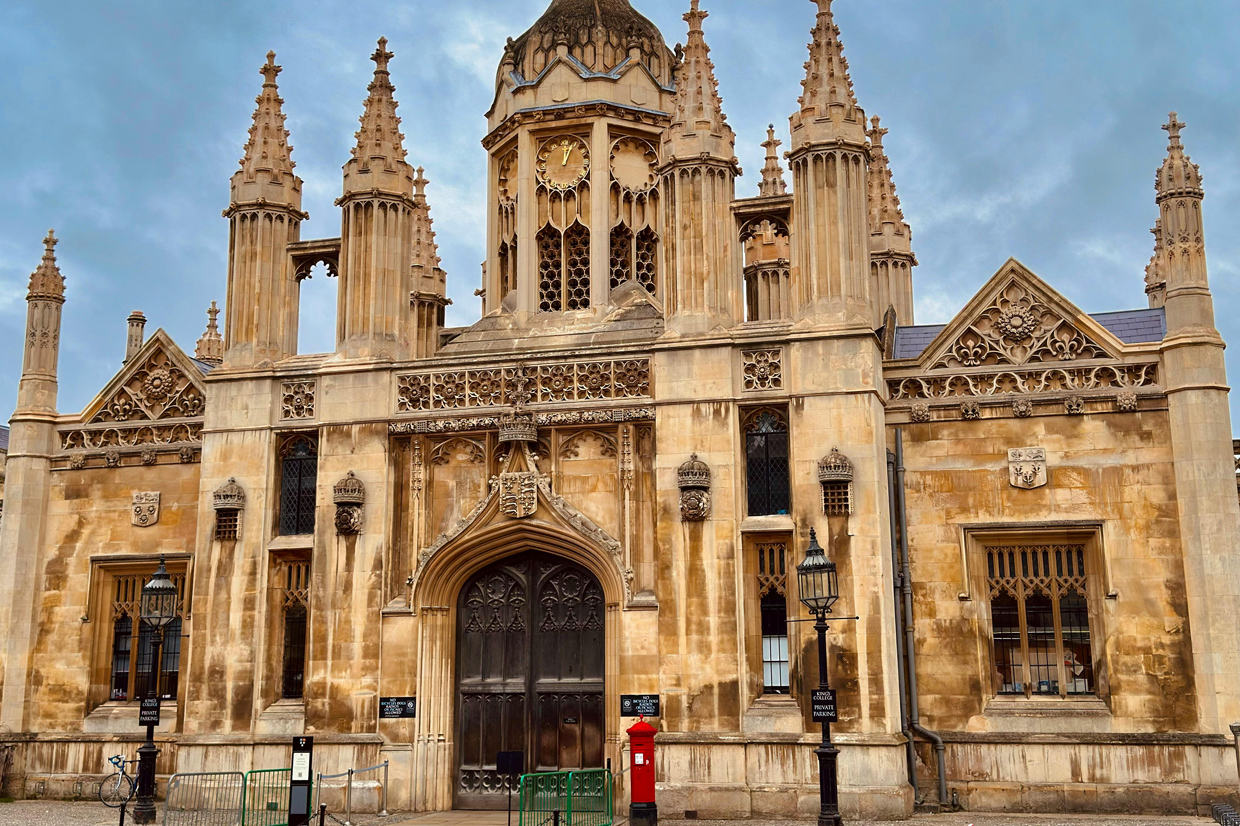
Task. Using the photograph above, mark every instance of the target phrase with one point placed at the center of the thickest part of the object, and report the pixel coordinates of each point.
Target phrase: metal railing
(205, 799)
(578, 798)
(266, 797)
(348, 789)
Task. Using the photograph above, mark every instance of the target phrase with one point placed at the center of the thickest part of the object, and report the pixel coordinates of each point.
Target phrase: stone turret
(373, 315)
(830, 160)
(135, 335)
(1201, 440)
(265, 217)
(430, 286)
(699, 179)
(210, 349)
(28, 478)
(891, 238)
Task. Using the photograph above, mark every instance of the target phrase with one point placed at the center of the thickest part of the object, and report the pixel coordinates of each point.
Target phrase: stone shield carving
(518, 494)
(1027, 467)
(145, 509)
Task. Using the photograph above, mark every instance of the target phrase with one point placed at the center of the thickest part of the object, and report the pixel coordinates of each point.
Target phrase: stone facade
(604, 485)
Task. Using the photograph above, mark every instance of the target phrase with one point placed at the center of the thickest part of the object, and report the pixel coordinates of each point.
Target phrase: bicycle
(117, 789)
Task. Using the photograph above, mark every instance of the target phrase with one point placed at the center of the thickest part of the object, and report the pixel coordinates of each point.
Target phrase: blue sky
(1026, 128)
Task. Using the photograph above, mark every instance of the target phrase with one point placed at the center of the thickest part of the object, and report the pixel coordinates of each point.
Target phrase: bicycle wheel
(116, 790)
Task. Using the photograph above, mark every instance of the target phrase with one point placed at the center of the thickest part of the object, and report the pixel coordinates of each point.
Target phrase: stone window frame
(101, 585)
(285, 441)
(752, 627)
(978, 538)
(748, 418)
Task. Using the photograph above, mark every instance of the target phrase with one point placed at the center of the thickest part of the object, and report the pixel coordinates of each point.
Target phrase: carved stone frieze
(496, 387)
(1049, 380)
(136, 435)
(158, 389)
(1019, 328)
(1027, 467)
(298, 399)
(763, 369)
(145, 509)
(483, 423)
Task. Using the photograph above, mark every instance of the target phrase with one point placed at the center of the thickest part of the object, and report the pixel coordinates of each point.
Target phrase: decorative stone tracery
(495, 387)
(298, 399)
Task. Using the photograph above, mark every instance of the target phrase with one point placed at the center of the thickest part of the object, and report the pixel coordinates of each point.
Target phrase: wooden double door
(530, 673)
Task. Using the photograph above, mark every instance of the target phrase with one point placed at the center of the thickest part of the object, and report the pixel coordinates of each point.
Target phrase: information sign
(301, 781)
(398, 708)
(639, 705)
(148, 712)
(823, 706)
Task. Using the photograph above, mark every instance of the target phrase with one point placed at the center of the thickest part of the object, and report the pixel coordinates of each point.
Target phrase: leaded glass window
(299, 470)
(766, 462)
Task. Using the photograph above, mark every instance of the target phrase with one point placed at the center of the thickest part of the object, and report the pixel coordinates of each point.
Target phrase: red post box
(643, 811)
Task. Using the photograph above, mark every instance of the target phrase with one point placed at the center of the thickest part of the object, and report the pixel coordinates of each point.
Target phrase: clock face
(563, 162)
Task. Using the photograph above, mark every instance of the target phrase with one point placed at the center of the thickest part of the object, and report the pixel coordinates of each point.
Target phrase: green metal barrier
(266, 797)
(580, 798)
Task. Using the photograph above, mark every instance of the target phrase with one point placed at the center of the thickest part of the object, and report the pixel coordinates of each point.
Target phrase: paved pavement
(52, 813)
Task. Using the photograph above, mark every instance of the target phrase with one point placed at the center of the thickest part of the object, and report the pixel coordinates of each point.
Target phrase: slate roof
(4, 439)
(1129, 326)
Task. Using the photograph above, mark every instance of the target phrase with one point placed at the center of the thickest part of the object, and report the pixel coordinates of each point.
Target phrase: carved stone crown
(836, 467)
(517, 427)
(694, 474)
(229, 497)
(350, 491)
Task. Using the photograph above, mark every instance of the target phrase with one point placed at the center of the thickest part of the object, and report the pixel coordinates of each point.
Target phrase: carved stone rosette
(350, 498)
(694, 480)
(298, 400)
(920, 413)
(763, 369)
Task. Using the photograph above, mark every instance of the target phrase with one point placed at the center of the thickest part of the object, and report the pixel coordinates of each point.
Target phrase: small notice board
(148, 712)
(398, 708)
(823, 706)
(639, 705)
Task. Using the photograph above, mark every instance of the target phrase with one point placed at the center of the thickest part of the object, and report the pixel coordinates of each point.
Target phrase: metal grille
(766, 463)
(837, 498)
(131, 676)
(621, 255)
(227, 524)
(550, 270)
(773, 602)
(208, 799)
(293, 579)
(299, 471)
(580, 798)
(577, 266)
(1039, 603)
(647, 255)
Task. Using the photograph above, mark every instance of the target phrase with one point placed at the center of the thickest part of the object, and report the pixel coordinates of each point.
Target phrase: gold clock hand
(568, 150)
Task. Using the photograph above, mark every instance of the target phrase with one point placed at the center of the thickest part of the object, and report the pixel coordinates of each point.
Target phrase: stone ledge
(1087, 739)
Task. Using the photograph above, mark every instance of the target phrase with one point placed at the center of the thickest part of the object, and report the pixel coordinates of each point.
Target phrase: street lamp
(158, 608)
(819, 585)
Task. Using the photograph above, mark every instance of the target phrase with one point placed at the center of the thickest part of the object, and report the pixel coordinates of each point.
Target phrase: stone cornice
(263, 205)
(568, 111)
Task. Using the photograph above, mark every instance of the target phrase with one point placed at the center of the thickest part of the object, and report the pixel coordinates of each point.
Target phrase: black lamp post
(159, 607)
(819, 585)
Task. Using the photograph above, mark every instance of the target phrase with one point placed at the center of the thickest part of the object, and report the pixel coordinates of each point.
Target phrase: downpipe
(909, 747)
(910, 641)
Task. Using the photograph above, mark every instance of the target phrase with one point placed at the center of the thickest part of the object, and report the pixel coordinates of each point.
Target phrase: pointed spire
(46, 282)
(268, 149)
(425, 249)
(1155, 274)
(210, 348)
(1179, 176)
(773, 183)
(827, 97)
(699, 126)
(884, 202)
(380, 138)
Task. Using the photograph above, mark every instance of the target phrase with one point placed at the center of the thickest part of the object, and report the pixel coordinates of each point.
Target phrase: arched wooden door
(530, 666)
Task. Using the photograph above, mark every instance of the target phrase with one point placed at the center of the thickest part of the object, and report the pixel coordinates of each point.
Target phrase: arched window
(299, 469)
(132, 643)
(766, 462)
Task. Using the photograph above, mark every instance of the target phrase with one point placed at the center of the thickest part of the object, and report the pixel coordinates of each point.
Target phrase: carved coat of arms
(1027, 467)
(145, 509)
(518, 494)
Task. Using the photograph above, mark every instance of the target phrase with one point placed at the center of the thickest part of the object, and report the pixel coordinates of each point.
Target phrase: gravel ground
(53, 813)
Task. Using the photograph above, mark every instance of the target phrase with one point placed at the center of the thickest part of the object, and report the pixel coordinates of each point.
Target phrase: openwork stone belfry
(604, 485)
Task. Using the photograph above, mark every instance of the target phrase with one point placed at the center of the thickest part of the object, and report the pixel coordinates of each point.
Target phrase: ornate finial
(420, 182)
(268, 149)
(694, 18)
(46, 282)
(210, 348)
(1173, 128)
(884, 201)
(382, 56)
(271, 71)
(876, 132)
(772, 183)
(426, 258)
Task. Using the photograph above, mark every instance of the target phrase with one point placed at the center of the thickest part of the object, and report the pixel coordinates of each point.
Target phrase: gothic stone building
(603, 486)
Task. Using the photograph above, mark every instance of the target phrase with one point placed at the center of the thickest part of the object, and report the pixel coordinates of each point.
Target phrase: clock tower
(581, 103)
